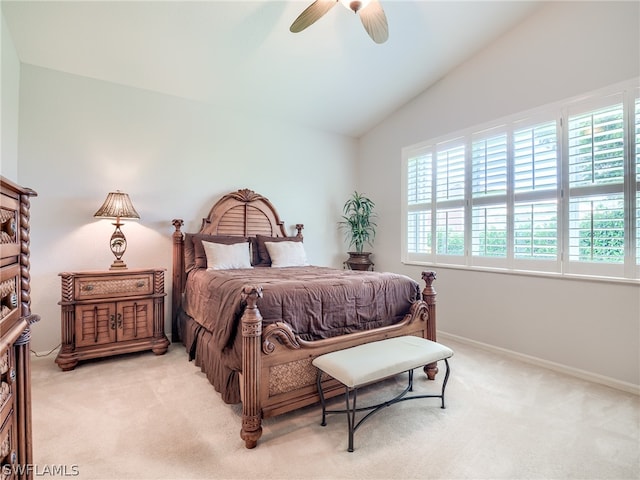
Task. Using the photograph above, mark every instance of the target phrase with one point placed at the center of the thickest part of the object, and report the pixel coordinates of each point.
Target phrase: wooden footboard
(277, 375)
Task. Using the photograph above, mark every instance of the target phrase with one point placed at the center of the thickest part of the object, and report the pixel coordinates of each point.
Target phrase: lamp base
(118, 265)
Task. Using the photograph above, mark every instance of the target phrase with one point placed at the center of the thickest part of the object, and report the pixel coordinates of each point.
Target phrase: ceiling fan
(370, 12)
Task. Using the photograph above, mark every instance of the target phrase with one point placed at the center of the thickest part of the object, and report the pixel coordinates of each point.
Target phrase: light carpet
(142, 416)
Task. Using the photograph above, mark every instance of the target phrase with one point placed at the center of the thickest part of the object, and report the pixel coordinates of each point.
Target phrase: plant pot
(359, 261)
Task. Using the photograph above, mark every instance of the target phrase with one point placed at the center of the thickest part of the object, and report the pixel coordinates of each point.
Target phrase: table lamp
(117, 205)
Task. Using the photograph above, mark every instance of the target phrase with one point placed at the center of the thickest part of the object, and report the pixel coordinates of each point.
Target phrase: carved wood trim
(282, 331)
(251, 367)
(25, 251)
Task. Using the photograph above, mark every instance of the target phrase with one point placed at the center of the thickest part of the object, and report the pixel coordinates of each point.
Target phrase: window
(554, 190)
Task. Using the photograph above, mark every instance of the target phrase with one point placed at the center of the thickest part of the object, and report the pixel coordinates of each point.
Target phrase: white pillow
(226, 257)
(286, 254)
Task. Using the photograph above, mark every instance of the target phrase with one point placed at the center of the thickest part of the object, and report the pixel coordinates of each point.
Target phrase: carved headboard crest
(246, 195)
(243, 212)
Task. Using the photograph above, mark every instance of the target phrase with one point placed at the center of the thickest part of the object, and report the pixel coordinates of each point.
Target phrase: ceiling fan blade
(375, 21)
(312, 13)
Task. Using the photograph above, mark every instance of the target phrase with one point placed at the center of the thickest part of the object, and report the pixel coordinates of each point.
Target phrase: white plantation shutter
(419, 202)
(449, 198)
(555, 190)
(596, 231)
(419, 179)
(419, 232)
(489, 166)
(536, 230)
(450, 231)
(489, 154)
(535, 158)
(489, 231)
(596, 147)
(450, 174)
(535, 219)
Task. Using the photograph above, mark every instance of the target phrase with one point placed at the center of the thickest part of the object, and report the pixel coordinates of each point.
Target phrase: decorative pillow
(287, 254)
(194, 252)
(227, 257)
(255, 256)
(189, 253)
(263, 253)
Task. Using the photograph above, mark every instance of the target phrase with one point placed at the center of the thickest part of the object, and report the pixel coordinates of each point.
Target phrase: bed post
(429, 297)
(177, 285)
(251, 367)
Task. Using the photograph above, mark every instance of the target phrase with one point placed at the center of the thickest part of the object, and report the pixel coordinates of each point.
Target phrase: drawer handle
(116, 321)
(88, 288)
(5, 447)
(12, 374)
(10, 300)
(95, 324)
(8, 226)
(5, 392)
(140, 283)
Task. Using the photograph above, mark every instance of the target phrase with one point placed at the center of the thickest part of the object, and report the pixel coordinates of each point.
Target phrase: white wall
(9, 92)
(81, 138)
(563, 50)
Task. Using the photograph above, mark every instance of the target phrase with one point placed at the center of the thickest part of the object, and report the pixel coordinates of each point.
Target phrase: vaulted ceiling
(241, 55)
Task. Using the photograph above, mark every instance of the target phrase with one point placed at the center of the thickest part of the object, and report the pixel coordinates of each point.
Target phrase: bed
(254, 327)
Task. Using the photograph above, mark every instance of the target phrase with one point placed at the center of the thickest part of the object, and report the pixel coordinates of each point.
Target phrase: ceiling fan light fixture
(370, 12)
(355, 5)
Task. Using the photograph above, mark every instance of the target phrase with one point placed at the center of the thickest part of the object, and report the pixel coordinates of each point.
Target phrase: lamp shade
(117, 205)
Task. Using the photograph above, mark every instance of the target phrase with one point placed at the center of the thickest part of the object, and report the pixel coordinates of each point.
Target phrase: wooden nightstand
(111, 312)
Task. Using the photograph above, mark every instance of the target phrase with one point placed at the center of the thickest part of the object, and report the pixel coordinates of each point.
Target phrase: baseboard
(558, 367)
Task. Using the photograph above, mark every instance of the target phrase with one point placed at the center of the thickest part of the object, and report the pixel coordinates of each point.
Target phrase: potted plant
(360, 229)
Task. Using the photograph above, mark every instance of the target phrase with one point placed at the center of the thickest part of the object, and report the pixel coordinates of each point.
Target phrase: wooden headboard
(244, 213)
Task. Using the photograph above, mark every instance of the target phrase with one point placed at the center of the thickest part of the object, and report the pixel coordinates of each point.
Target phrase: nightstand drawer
(116, 286)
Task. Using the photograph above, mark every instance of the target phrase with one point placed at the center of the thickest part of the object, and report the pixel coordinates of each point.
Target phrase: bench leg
(351, 414)
(444, 382)
(322, 400)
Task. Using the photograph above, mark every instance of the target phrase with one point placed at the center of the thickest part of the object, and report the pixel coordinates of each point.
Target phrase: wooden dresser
(111, 312)
(16, 451)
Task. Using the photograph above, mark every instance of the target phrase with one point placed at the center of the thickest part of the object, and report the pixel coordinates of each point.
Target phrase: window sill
(528, 273)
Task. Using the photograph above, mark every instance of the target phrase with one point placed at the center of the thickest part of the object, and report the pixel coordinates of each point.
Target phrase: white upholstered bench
(363, 364)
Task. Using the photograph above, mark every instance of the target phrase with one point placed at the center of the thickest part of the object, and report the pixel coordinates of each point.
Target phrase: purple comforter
(317, 302)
